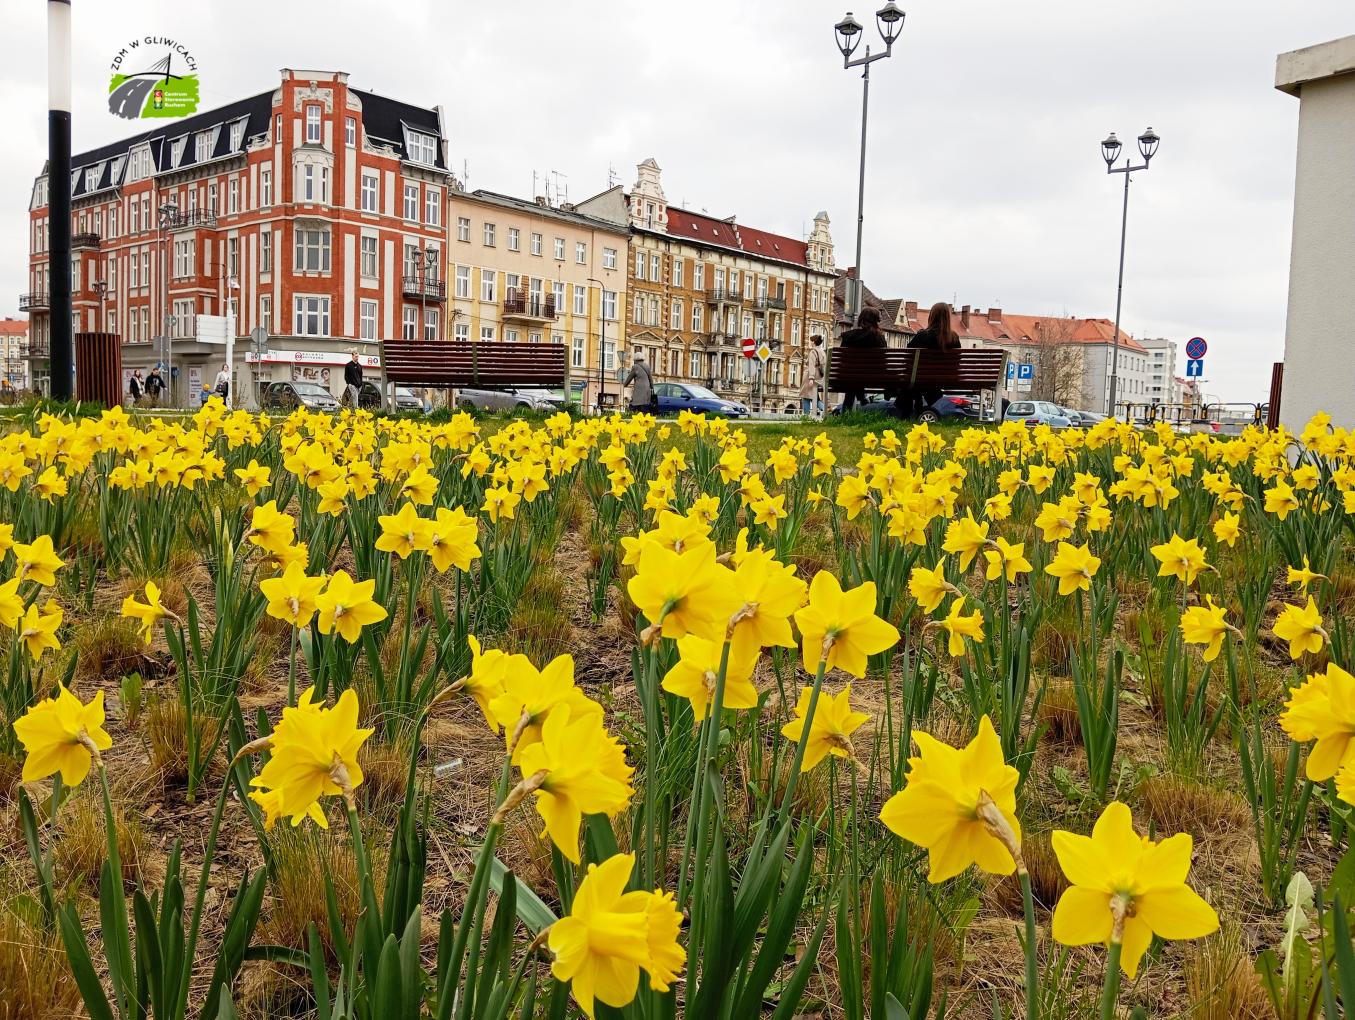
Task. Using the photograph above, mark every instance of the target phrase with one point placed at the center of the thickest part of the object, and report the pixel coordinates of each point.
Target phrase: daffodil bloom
(832, 728)
(966, 537)
(576, 768)
(768, 510)
(50, 485)
(148, 613)
(419, 487)
(37, 629)
(684, 593)
(1205, 625)
(451, 539)
(38, 562)
(292, 597)
(1304, 577)
(346, 606)
(1074, 566)
(11, 603)
(404, 532)
(998, 507)
(1226, 529)
(501, 502)
(1122, 880)
(1180, 558)
(484, 682)
(771, 593)
(852, 495)
(253, 477)
(269, 529)
(929, 587)
(1280, 499)
(840, 627)
(530, 695)
(1039, 477)
(313, 754)
(57, 734)
(333, 497)
(958, 627)
(1007, 560)
(1301, 626)
(695, 673)
(1323, 709)
(610, 935)
(1056, 521)
(939, 808)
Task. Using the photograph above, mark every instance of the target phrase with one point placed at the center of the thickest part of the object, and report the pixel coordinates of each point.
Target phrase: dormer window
(237, 135)
(420, 147)
(205, 144)
(176, 152)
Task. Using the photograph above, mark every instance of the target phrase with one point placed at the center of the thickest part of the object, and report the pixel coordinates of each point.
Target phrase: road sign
(763, 353)
(1025, 370)
(749, 347)
(1011, 370)
(1196, 348)
(1195, 368)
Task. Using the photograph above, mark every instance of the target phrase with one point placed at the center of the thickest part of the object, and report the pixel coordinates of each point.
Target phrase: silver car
(509, 398)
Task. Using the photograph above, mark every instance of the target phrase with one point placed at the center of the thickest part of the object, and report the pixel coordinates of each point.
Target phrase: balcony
(764, 303)
(719, 338)
(423, 288)
(38, 349)
(85, 240)
(529, 308)
(33, 303)
(724, 296)
(190, 219)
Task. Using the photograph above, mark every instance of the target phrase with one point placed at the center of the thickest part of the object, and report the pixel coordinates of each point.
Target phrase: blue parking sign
(1011, 370)
(1026, 371)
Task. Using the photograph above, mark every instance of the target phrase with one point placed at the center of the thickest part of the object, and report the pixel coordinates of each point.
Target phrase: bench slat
(976, 368)
(476, 363)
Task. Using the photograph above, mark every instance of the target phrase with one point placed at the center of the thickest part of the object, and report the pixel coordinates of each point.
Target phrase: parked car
(1074, 417)
(675, 397)
(288, 396)
(509, 398)
(1037, 412)
(1090, 418)
(948, 408)
(369, 397)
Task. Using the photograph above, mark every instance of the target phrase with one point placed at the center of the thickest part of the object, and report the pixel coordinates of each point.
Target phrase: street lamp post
(427, 259)
(100, 288)
(168, 216)
(889, 21)
(1110, 152)
(602, 341)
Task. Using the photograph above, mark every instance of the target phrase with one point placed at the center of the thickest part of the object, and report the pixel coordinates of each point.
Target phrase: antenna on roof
(561, 195)
(612, 179)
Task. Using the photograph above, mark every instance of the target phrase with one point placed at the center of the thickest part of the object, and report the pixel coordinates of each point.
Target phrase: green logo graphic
(153, 76)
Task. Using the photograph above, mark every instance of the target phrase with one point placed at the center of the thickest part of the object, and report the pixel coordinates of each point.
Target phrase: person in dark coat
(866, 335)
(155, 385)
(352, 381)
(937, 335)
(134, 387)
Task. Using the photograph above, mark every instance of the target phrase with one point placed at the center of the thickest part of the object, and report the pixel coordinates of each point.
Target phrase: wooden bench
(448, 364)
(970, 370)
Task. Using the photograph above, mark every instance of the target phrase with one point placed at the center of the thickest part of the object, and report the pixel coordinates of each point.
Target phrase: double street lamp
(1110, 152)
(889, 22)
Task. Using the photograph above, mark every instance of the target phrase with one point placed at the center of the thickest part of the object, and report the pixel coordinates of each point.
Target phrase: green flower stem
(710, 733)
(359, 847)
(291, 671)
(474, 912)
(1111, 989)
(1032, 966)
(208, 855)
(799, 758)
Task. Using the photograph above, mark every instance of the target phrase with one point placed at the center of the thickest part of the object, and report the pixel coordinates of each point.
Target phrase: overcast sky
(984, 181)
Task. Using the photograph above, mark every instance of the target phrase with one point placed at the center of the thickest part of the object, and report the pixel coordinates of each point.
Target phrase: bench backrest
(974, 368)
(475, 363)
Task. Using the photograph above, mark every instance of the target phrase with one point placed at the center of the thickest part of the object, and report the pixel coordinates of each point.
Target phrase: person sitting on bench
(937, 335)
(868, 335)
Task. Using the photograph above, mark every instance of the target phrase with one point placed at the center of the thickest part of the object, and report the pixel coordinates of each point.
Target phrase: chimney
(543, 201)
(910, 311)
(964, 317)
(995, 315)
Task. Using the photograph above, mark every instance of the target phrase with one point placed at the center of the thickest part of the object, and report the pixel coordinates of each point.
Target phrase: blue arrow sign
(1195, 368)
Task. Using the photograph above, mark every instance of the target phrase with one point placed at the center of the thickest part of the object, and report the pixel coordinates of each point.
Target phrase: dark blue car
(674, 397)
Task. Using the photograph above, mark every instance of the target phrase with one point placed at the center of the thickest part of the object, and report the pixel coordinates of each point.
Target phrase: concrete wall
(1319, 370)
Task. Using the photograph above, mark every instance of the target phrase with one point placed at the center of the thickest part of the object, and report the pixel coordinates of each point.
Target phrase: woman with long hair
(938, 335)
(867, 334)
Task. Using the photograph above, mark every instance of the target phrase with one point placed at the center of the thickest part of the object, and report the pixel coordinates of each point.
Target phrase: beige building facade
(524, 271)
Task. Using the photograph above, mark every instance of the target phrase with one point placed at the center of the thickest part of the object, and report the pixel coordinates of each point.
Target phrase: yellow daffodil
(38, 562)
(50, 485)
(958, 627)
(770, 593)
(940, 807)
(1323, 709)
(419, 487)
(37, 629)
(684, 593)
(58, 734)
(451, 539)
(404, 532)
(1074, 566)
(292, 597)
(1180, 558)
(1205, 625)
(840, 627)
(313, 754)
(346, 606)
(148, 613)
(1006, 560)
(832, 728)
(1301, 578)
(11, 603)
(610, 935)
(1301, 626)
(501, 502)
(965, 537)
(253, 477)
(333, 497)
(695, 673)
(1227, 528)
(270, 529)
(1280, 500)
(530, 695)
(1128, 888)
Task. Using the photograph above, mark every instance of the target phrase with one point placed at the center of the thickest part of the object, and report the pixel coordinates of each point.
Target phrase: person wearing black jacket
(937, 335)
(155, 385)
(352, 380)
(867, 335)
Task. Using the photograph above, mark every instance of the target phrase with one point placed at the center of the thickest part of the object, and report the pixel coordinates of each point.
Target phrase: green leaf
(386, 994)
(82, 967)
(531, 910)
(894, 1008)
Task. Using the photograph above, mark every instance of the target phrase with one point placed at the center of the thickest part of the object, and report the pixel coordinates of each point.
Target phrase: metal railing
(33, 302)
(184, 219)
(764, 303)
(430, 289)
(527, 306)
(88, 239)
(724, 295)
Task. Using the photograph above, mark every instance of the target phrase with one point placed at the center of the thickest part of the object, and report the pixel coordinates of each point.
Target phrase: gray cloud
(984, 184)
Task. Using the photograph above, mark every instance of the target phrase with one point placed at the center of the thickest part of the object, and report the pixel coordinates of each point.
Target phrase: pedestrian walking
(134, 387)
(352, 381)
(155, 385)
(810, 400)
(641, 382)
(867, 335)
(222, 387)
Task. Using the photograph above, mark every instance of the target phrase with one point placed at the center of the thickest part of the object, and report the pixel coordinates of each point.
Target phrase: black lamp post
(1110, 152)
(848, 32)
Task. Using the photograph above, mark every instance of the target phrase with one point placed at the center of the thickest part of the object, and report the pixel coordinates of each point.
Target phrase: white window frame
(580, 299)
(370, 201)
(559, 249)
(536, 243)
(307, 308)
(463, 228)
(581, 253)
(411, 202)
(461, 332)
(369, 256)
(608, 258)
(609, 305)
(489, 282)
(514, 239)
(314, 131)
(409, 322)
(488, 235)
(367, 311)
(577, 351)
(312, 250)
(463, 282)
(432, 206)
(265, 251)
(350, 131)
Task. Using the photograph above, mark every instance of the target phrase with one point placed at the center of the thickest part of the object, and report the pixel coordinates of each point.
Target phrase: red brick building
(314, 210)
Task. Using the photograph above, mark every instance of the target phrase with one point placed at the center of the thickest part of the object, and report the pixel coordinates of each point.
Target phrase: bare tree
(1058, 362)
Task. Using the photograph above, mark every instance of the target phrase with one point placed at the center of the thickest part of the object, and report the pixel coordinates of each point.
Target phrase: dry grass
(81, 847)
(35, 982)
(1176, 804)
(107, 649)
(301, 859)
(1221, 983)
(165, 729)
(385, 768)
(1058, 714)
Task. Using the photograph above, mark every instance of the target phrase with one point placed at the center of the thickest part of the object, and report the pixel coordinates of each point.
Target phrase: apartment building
(314, 210)
(14, 352)
(524, 271)
(1162, 385)
(699, 285)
